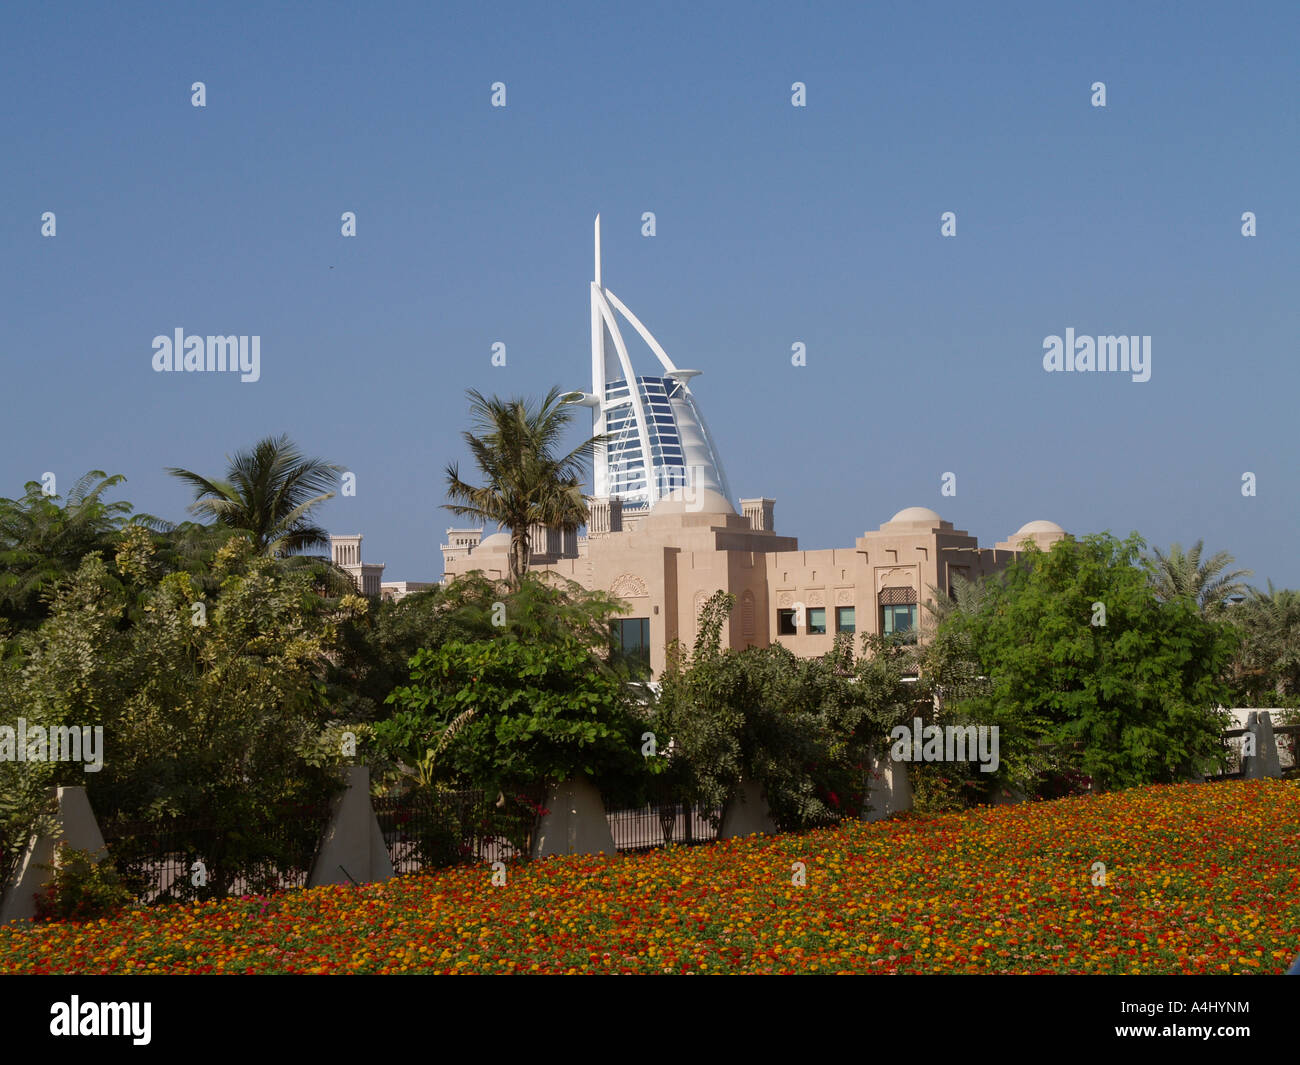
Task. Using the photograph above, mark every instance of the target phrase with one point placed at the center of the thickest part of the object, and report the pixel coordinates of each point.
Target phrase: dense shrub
(81, 888)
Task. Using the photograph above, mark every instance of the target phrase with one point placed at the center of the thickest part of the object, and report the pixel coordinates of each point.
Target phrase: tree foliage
(801, 728)
(1208, 583)
(1266, 671)
(44, 538)
(513, 690)
(1125, 697)
(206, 714)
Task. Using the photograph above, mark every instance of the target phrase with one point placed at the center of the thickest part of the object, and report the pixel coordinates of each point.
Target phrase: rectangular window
(785, 625)
(630, 640)
(816, 621)
(846, 619)
(898, 618)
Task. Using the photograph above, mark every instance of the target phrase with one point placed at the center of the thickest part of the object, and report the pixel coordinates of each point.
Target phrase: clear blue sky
(775, 225)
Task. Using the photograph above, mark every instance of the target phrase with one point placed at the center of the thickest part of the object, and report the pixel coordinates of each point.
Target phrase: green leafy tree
(967, 597)
(513, 690)
(1090, 671)
(516, 717)
(209, 715)
(801, 728)
(528, 480)
(380, 644)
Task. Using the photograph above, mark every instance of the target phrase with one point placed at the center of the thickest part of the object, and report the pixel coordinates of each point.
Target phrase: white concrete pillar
(747, 814)
(575, 822)
(75, 825)
(889, 790)
(352, 840)
(1265, 761)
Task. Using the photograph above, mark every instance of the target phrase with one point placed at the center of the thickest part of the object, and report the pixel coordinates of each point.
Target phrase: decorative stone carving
(785, 599)
(896, 576)
(747, 614)
(628, 586)
(844, 597)
(815, 598)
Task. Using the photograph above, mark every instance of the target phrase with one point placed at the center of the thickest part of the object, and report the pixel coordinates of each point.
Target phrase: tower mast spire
(597, 277)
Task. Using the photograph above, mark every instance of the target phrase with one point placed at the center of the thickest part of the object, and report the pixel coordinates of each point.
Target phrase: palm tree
(1180, 574)
(268, 495)
(41, 541)
(1268, 662)
(514, 444)
(948, 661)
(967, 597)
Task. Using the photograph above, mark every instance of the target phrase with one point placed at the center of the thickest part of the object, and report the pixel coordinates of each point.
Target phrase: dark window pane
(630, 639)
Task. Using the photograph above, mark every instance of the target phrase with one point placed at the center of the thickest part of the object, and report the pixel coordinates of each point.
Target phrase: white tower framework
(660, 440)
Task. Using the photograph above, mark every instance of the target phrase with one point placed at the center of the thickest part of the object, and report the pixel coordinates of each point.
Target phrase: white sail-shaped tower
(660, 441)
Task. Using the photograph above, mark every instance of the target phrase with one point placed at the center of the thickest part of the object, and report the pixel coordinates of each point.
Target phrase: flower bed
(1198, 878)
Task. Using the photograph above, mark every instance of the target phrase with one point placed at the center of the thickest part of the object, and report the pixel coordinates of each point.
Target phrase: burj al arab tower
(659, 441)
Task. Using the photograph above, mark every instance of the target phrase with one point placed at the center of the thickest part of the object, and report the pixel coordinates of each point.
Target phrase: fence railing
(434, 829)
(663, 823)
(186, 860)
(183, 860)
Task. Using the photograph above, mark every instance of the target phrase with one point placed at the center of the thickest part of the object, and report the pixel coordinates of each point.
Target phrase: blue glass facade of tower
(627, 463)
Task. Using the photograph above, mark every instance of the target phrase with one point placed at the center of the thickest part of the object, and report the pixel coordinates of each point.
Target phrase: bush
(511, 716)
(1125, 701)
(800, 728)
(938, 788)
(82, 889)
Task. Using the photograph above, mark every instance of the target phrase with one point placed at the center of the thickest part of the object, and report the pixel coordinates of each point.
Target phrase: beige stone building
(667, 562)
(346, 553)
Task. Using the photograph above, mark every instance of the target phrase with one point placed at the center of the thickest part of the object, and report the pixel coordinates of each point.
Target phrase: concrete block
(889, 790)
(747, 813)
(352, 840)
(1265, 761)
(575, 822)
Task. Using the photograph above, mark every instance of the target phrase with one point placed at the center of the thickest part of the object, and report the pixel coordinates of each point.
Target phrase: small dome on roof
(686, 501)
(1029, 528)
(496, 542)
(915, 514)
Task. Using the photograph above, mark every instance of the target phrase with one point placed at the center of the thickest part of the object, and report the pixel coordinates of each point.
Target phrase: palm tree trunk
(518, 561)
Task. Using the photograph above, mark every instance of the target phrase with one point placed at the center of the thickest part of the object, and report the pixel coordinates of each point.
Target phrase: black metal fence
(663, 823)
(183, 860)
(424, 830)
